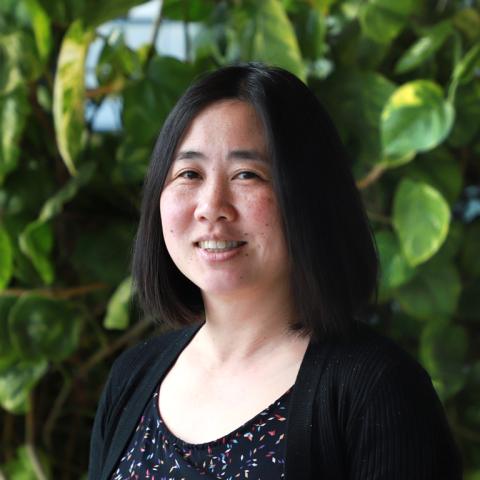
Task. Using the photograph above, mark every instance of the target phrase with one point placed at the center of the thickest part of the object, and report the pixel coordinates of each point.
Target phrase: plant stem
(55, 292)
(156, 31)
(37, 467)
(379, 217)
(30, 441)
(8, 435)
(115, 87)
(372, 176)
(57, 407)
(185, 30)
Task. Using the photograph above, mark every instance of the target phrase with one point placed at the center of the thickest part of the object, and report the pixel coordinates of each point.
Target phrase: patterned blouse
(256, 450)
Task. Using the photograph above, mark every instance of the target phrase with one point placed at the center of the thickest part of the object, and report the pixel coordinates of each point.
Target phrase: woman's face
(219, 213)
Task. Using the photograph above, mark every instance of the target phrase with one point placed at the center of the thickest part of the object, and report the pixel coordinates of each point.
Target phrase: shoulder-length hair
(334, 261)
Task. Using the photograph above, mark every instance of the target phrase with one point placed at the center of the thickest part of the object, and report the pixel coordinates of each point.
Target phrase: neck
(241, 330)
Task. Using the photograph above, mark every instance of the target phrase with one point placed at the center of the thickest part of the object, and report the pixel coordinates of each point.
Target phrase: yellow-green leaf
(118, 309)
(421, 217)
(416, 118)
(13, 113)
(69, 93)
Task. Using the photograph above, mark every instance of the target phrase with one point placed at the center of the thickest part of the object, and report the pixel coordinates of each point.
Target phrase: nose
(215, 203)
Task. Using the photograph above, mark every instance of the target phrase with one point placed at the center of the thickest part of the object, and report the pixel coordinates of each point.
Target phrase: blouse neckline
(221, 440)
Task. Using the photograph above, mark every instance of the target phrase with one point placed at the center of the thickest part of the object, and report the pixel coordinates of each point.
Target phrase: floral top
(256, 450)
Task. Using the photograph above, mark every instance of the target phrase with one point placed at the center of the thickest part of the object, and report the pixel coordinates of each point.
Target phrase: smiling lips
(219, 246)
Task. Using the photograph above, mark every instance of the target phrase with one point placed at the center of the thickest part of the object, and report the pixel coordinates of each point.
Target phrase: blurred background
(85, 86)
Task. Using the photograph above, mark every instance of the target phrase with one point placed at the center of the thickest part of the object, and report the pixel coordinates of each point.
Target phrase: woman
(254, 240)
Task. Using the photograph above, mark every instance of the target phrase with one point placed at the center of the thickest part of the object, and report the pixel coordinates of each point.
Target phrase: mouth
(218, 246)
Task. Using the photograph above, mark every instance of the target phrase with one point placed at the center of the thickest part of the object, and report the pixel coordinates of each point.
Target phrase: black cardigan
(360, 409)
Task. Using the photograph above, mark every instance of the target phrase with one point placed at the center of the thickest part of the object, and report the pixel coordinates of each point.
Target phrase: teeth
(219, 245)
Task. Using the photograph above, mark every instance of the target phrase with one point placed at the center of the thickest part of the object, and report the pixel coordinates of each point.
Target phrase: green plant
(401, 80)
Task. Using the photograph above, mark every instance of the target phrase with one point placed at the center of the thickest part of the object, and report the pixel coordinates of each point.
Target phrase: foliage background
(401, 79)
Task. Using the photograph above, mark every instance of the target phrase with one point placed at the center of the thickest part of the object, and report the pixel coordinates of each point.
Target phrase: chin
(223, 286)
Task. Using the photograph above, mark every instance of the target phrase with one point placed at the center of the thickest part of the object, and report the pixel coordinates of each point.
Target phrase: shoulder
(367, 351)
(369, 364)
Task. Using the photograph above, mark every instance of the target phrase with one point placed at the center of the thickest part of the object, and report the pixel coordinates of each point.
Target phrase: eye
(189, 175)
(246, 175)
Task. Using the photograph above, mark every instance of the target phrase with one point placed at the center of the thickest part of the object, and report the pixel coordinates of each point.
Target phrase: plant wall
(401, 79)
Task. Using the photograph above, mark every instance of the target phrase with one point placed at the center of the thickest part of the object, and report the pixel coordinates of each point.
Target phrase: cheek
(260, 206)
(263, 214)
(173, 214)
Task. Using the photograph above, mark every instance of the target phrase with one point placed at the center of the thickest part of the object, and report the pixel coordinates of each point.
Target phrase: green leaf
(13, 114)
(424, 47)
(394, 267)
(171, 76)
(53, 206)
(19, 61)
(469, 304)
(443, 350)
(404, 327)
(465, 69)
(383, 20)
(356, 100)
(311, 29)
(36, 242)
(118, 309)
(467, 20)
(69, 93)
(268, 36)
(117, 62)
(467, 113)
(472, 475)
(95, 13)
(41, 28)
(440, 169)
(6, 258)
(469, 258)
(433, 293)
(41, 327)
(147, 103)
(17, 379)
(416, 118)
(191, 11)
(451, 247)
(21, 468)
(6, 348)
(421, 218)
(102, 254)
(394, 161)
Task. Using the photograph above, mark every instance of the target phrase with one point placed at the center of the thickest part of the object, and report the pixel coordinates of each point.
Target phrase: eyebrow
(233, 155)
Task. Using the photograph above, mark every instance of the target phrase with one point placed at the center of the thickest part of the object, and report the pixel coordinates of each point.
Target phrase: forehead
(233, 122)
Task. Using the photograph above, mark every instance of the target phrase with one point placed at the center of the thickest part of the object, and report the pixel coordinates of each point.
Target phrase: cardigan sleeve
(97, 436)
(401, 432)
(99, 439)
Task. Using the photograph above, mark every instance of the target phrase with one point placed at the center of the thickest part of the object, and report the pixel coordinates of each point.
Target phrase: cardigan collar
(300, 410)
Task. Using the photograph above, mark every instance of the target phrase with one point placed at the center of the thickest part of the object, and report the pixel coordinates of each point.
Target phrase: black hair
(334, 261)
